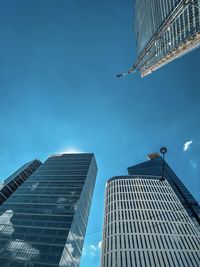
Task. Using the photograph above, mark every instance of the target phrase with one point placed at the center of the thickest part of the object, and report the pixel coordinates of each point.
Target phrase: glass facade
(164, 31)
(44, 222)
(15, 180)
(154, 167)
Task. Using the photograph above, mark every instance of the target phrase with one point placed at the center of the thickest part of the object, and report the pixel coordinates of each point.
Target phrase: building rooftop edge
(150, 157)
(70, 153)
(133, 177)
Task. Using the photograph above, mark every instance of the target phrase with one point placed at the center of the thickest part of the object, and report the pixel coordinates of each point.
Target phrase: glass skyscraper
(43, 223)
(147, 222)
(165, 30)
(11, 184)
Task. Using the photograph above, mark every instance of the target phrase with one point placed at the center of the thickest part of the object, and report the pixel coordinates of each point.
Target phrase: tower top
(153, 155)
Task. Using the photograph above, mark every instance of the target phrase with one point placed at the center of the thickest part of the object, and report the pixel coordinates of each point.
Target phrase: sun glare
(72, 151)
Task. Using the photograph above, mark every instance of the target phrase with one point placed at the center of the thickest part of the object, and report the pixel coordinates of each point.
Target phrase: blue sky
(58, 92)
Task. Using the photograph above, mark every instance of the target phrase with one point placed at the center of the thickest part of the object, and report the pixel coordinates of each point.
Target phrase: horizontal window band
(36, 204)
(154, 249)
(49, 195)
(37, 227)
(38, 214)
(34, 243)
(32, 261)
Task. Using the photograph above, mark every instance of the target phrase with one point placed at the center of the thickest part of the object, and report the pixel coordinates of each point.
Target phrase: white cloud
(97, 247)
(92, 250)
(187, 145)
(21, 250)
(61, 200)
(6, 226)
(71, 256)
(16, 249)
(100, 244)
(68, 257)
(194, 164)
(34, 186)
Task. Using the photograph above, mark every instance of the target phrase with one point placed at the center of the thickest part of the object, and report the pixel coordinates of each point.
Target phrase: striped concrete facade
(145, 225)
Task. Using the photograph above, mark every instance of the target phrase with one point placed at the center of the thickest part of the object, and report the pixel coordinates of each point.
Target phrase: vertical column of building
(86, 165)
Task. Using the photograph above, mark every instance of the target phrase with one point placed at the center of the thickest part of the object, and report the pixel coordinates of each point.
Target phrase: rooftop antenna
(163, 151)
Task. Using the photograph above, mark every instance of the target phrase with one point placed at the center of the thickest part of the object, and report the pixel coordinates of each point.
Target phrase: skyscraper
(153, 166)
(11, 184)
(146, 222)
(43, 223)
(165, 30)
